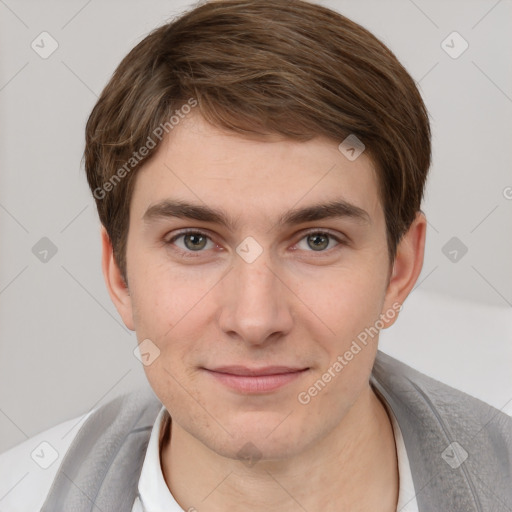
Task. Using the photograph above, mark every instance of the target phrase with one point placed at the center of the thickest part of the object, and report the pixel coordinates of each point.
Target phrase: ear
(116, 286)
(406, 269)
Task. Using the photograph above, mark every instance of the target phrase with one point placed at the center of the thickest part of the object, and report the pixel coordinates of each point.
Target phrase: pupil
(319, 242)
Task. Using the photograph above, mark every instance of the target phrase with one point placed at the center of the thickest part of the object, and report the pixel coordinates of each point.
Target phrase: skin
(293, 306)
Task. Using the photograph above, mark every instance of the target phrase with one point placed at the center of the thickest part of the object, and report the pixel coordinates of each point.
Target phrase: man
(258, 169)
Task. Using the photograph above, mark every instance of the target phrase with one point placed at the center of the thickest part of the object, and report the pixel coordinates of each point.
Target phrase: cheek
(177, 389)
(165, 296)
(172, 308)
(168, 310)
(342, 302)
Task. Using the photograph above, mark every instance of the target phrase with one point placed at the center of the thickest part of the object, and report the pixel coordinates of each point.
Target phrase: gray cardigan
(459, 448)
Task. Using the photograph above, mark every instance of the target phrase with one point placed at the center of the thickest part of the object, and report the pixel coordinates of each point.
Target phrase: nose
(255, 302)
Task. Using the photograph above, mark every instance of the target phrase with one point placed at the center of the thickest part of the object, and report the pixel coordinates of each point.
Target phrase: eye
(197, 241)
(318, 241)
(192, 241)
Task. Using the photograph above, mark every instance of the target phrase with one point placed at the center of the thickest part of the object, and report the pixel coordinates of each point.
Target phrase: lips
(262, 380)
(254, 372)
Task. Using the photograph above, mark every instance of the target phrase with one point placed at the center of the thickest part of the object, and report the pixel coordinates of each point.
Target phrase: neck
(353, 468)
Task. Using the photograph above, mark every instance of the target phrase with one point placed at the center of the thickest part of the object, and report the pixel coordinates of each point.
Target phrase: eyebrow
(185, 210)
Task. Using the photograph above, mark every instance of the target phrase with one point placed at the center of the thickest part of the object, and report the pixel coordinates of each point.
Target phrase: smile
(254, 381)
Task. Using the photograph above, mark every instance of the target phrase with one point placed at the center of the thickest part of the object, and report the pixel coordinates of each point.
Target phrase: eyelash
(195, 254)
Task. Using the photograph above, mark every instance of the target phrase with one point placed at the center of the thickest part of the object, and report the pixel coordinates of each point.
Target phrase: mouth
(255, 380)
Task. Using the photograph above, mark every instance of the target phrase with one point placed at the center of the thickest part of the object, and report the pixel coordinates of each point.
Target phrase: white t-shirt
(27, 471)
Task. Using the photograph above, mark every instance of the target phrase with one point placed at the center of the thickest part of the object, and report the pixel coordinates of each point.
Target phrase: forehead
(259, 176)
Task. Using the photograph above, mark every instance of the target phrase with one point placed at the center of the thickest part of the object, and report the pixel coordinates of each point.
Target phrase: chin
(250, 450)
(260, 439)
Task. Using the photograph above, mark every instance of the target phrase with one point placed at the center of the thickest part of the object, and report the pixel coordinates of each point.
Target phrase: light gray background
(63, 349)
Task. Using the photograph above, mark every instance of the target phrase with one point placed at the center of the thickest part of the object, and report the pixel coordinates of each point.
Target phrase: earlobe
(116, 286)
(407, 266)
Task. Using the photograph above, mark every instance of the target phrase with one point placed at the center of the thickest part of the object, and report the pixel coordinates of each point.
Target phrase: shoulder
(410, 384)
(28, 469)
(453, 439)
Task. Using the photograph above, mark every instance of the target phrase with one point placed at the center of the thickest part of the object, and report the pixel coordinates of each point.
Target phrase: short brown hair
(259, 67)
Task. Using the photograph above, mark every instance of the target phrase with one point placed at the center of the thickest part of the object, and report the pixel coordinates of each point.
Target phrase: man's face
(273, 287)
